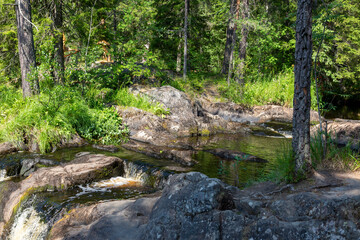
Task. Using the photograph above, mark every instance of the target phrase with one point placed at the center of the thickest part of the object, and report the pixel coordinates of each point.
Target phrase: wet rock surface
(191, 117)
(235, 155)
(193, 206)
(83, 169)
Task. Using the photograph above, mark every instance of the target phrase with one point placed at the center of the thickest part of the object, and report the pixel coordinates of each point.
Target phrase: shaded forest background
(143, 37)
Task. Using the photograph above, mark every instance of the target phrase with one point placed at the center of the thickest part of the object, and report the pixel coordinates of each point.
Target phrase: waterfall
(28, 224)
(2, 175)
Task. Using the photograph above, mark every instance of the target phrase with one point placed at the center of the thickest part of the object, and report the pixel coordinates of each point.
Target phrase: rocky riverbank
(193, 206)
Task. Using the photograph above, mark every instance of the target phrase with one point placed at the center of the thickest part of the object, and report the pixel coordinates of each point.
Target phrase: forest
(179, 119)
(79, 58)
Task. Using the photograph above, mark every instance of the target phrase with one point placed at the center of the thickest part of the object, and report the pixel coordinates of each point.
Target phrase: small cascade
(28, 224)
(118, 182)
(135, 171)
(3, 175)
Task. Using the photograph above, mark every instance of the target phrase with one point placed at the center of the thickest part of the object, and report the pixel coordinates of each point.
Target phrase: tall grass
(335, 158)
(56, 115)
(282, 169)
(272, 89)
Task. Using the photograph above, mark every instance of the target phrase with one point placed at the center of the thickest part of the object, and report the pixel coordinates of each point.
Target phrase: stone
(235, 155)
(6, 148)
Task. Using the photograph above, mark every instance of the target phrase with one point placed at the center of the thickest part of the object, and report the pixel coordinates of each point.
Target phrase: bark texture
(186, 36)
(59, 67)
(26, 46)
(243, 41)
(230, 37)
(302, 99)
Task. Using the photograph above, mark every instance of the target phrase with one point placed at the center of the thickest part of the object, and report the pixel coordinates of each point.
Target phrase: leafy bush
(55, 115)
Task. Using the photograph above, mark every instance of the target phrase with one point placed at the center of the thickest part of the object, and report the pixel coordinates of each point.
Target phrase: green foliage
(124, 98)
(282, 170)
(55, 116)
(106, 127)
(338, 158)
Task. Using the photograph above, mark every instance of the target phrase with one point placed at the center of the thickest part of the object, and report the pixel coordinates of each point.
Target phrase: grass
(273, 89)
(56, 115)
(335, 157)
(123, 97)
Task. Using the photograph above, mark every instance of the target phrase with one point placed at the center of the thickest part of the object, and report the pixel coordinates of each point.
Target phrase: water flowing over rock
(193, 206)
(81, 170)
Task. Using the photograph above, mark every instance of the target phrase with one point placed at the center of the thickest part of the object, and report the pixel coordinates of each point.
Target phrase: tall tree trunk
(230, 36)
(302, 98)
(243, 41)
(59, 67)
(26, 47)
(178, 57)
(185, 37)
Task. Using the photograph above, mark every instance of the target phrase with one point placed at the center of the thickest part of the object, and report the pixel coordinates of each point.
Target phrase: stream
(143, 175)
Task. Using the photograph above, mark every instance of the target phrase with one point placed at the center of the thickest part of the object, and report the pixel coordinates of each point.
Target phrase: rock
(81, 170)
(109, 148)
(6, 148)
(193, 206)
(28, 166)
(342, 132)
(187, 118)
(110, 220)
(74, 141)
(182, 156)
(235, 155)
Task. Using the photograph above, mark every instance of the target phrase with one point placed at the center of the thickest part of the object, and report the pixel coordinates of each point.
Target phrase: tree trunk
(302, 98)
(185, 37)
(178, 57)
(26, 47)
(59, 67)
(243, 41)
(230, 36)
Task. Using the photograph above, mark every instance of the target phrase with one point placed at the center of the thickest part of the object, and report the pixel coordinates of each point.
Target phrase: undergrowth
(271, 89)
(55, 116)
(336, 158)
(123, 97)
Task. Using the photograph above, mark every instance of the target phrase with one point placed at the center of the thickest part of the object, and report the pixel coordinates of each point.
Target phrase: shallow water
(143, 175)
(237, 172)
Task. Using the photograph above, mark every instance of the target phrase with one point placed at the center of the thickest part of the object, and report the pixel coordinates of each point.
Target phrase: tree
(243, 42)
(302, 99)
(186, 9)
(230, 37)
(57, 18)
(26, 47)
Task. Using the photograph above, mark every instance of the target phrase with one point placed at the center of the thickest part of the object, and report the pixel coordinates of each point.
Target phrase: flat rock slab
(81, 170)
(182, 156)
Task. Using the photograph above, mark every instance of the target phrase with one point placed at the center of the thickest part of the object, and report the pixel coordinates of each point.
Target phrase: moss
(205, 132)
